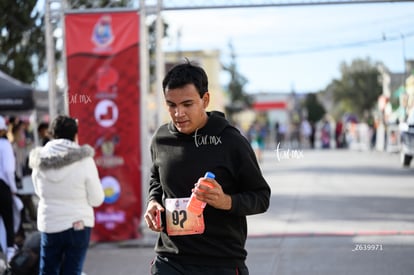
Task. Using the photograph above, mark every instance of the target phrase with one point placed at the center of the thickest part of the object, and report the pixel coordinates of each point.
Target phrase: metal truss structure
(56, 6)
(222, 4)
(54, 10)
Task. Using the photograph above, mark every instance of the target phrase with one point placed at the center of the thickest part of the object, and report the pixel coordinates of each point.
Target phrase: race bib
(179, 220)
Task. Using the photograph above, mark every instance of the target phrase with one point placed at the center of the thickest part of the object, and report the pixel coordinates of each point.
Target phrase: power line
(222, 4)
(173, 5)
(325, 48)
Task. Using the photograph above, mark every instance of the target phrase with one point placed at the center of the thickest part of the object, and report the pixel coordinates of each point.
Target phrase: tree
(76, 4)
(314, 108)
(358, 88)
(238, 98)
(22, 40)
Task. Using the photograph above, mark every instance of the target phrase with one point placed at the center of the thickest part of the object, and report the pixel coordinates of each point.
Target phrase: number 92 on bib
(179, 220)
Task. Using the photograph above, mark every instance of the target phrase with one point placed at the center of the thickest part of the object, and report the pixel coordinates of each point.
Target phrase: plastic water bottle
(194, 205)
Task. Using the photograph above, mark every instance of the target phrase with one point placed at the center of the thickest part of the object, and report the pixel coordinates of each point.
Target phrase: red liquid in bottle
(194, 205)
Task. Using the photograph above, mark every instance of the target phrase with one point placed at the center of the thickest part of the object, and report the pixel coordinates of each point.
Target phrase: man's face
(186, 108)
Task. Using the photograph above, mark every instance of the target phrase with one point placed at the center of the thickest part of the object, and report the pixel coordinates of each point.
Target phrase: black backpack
(26, 260)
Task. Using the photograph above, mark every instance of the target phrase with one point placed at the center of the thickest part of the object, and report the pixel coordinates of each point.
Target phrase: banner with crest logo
(103, 94)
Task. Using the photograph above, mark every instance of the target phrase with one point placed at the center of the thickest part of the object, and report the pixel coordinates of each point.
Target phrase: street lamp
(404, 59)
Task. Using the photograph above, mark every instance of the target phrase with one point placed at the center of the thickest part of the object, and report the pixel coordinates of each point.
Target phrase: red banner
(103, 76)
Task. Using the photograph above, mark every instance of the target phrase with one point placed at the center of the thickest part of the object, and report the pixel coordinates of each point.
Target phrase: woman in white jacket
(67, 183)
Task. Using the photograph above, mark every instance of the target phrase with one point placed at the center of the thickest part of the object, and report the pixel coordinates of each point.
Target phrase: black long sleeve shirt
(179, 160)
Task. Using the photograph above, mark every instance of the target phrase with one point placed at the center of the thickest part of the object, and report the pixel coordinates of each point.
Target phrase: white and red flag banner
(103, 76)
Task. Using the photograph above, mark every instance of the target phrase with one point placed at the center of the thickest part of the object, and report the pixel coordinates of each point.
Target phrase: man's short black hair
(64, 127)
(43, 126)
(186, 73)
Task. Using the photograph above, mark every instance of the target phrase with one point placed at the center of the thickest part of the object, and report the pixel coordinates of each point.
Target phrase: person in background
(19, 148)
(43, 132)
(12, 121)
(257, 135)
(339, 135)
(305, 133)
(312, 135)
(277, 133)
(194, 142)
(7, 188)
(326, 134)
(66, 180)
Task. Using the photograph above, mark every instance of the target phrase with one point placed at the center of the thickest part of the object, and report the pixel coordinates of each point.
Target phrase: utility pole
(65, 6)
(159, 65)
(144, 88)
(51, 64)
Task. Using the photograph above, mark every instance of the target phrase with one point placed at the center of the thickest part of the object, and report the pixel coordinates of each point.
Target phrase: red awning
(269, 105)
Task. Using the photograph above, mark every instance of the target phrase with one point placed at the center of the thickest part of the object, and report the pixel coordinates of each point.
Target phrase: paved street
(332, 212)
